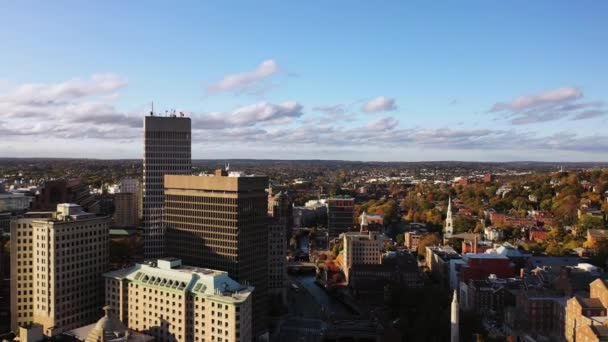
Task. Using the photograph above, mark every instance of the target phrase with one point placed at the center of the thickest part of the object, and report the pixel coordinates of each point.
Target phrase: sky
(348, 80)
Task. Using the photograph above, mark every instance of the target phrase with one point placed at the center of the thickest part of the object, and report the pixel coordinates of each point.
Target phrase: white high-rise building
(362, 248)
(167, 151)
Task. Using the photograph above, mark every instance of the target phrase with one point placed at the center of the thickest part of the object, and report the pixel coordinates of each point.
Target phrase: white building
(173, 302)
(361, 248)
(493, 234)
(14, 202)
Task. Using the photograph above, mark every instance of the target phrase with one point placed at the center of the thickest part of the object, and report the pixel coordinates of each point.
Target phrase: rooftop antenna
(152, 109)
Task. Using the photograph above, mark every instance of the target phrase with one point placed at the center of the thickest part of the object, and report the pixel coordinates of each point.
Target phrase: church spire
(449, 224)
(363, 222)
(450, 205)
(454, 319)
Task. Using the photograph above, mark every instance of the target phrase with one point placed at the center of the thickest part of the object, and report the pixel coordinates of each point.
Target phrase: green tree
(428, 240)
(336, 249)
(293, 242)
(591, 222)
(400, 239)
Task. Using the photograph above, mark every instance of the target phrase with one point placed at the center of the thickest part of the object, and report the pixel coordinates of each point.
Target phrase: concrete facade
(58, 267)
(180, 303)
(221, 222)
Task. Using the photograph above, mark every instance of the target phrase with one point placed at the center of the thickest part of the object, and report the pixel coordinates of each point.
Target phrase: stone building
(57, 266)
(174, 302)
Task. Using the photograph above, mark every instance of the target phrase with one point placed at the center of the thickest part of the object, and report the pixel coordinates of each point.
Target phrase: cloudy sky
(452, 80)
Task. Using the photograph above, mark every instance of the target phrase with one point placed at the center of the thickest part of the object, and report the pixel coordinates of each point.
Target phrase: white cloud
(331, 110)
(249, 81)
(379, 104)
(383, 124)
(550, 105)
(260, 113)
(45, 94)
(553, 96)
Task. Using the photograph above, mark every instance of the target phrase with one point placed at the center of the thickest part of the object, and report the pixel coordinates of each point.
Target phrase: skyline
(259, 87)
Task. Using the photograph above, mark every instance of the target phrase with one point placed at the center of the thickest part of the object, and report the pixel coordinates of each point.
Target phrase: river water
(331, 305)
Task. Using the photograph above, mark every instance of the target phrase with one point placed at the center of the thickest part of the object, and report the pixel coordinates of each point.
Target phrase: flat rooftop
(216, 183)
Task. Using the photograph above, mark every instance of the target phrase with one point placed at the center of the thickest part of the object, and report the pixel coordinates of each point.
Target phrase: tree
(463, 224)
(336, 249)
(293, 242)
(428, 240)
(400, 239)
(546, 204)
(591, 222)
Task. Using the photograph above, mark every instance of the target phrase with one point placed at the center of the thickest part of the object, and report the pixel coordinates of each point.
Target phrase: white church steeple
(454, 320)
(449, 225)
(363, 222)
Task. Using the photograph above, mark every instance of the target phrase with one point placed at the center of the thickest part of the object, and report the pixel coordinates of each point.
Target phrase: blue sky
(450, 80)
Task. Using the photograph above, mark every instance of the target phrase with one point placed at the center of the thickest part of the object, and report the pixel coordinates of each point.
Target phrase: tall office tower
(132, 185)
(22, 268)
(60, 286)
(221, 222)
(280, 206)
(340, 211)
(281, 221)
(179, 303)
(125, 210)
(167, 151)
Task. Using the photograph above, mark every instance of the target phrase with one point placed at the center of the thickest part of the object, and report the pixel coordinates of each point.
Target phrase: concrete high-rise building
(125, 210)
(280, 211)
(167, 151)
(132, 185)
(221, 222)
(362, 248)
(22, 268)
(340, 211)
(280, 206)
(173, 302)
(58, 262)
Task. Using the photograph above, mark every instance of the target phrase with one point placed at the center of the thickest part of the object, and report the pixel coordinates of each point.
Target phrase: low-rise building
(489, 296)
(494, 234)
(438, 261)
(582, 313)
(12, 202)
(412, 239)
(481, 266)
(596, 236)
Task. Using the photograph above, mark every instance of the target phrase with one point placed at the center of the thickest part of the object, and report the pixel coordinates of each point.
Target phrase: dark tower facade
(167, 151)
